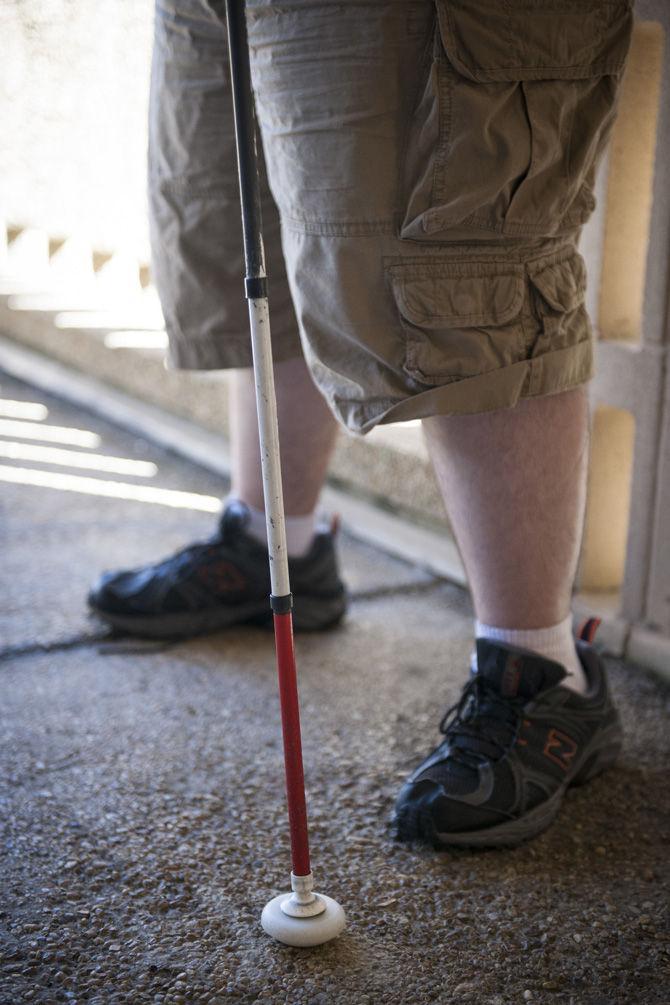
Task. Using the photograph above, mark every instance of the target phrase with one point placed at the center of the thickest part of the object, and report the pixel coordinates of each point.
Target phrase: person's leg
(225, 581)
(198, 264)
(537, 715)
(514, 484)
(307, 435)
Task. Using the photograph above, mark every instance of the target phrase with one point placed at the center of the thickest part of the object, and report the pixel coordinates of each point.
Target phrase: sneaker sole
(309, 614)
(416, 822)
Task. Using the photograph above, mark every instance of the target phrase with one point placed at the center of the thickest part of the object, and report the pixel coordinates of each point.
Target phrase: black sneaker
(513, 744)
(218, 583)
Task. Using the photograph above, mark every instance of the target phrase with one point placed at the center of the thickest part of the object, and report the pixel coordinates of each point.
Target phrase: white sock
(299, 531)
(556, 643)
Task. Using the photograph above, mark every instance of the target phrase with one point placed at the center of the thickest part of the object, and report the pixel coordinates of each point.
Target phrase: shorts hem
(227, 352)
(550, 373)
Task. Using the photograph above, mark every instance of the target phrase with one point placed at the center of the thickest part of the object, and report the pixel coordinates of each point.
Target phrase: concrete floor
(142, 792)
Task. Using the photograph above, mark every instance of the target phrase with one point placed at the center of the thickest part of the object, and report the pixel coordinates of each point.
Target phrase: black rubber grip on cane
(246, 132)
(281, 605)
(255, 287)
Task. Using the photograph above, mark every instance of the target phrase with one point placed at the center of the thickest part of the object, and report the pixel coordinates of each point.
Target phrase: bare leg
(514, 484)
(307, 435)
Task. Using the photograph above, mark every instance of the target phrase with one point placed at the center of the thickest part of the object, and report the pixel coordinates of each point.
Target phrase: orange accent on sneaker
(587, 630)
(560, 748)
(222, 577)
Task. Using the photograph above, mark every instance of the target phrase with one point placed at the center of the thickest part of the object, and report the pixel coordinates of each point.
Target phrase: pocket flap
(562, 284)
(444, 296)
(488, 40)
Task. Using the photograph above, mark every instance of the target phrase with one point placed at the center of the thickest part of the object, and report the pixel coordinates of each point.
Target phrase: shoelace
(482, 715)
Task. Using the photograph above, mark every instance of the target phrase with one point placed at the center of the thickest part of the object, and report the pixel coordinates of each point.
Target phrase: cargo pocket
(487, 40)
(459, 320)
(514, 115)
(558, 301)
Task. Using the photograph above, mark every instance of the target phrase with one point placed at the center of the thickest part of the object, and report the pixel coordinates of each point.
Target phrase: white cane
(303, 917)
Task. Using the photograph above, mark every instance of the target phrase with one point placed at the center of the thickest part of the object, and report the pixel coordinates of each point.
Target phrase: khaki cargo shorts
(427, 169)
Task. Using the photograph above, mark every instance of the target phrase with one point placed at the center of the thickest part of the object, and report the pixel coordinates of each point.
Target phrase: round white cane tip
(312, 931)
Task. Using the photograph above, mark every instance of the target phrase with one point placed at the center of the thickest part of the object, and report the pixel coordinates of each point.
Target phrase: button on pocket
(460, 320)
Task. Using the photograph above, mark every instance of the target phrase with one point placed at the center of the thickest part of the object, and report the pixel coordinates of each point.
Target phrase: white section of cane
(259, 321)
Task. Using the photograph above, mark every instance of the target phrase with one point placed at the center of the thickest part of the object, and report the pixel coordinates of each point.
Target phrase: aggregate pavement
(143, 817)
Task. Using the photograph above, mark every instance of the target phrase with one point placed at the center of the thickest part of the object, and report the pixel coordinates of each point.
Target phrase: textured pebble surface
(143, 819)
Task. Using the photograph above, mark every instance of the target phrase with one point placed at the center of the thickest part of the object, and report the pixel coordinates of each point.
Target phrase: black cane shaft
(245, 132)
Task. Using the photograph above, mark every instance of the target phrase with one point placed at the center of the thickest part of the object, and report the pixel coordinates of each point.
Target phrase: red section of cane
(290, 717)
